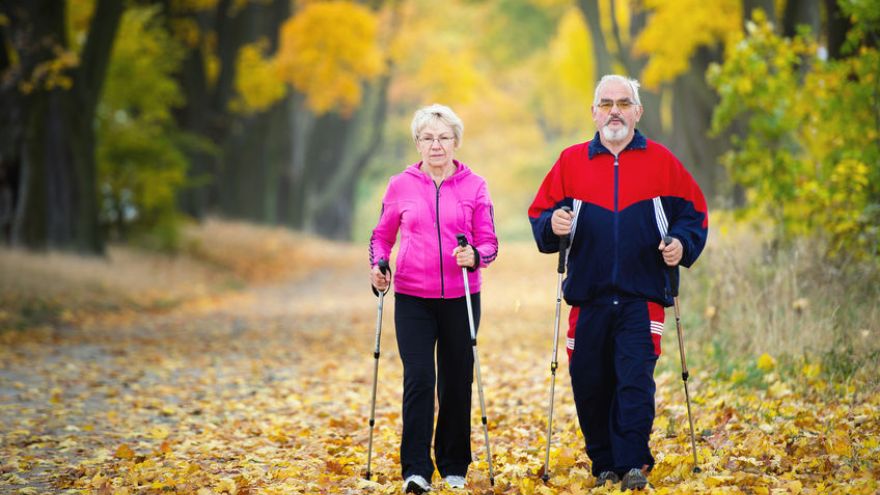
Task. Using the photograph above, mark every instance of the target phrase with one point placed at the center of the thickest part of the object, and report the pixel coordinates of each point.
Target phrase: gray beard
(613, 136)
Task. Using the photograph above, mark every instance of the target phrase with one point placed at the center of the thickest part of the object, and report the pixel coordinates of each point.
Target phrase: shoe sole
(639, 487)
(413, 487)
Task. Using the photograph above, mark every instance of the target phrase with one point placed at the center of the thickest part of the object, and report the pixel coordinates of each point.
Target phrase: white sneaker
(455, 481)
(416, 484)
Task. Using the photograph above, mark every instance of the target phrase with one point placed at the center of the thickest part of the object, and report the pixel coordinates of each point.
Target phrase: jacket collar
(638, 142)
(461, 170)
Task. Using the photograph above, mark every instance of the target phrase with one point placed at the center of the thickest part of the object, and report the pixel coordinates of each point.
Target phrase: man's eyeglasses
(622, 105)
(443, 140)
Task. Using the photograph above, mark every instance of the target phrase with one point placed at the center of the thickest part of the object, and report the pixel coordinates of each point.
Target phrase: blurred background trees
(122, 119)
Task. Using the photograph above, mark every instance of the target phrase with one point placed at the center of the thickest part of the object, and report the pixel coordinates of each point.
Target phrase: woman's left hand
(464, 256)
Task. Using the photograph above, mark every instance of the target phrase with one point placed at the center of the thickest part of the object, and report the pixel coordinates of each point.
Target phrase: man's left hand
(671, 253)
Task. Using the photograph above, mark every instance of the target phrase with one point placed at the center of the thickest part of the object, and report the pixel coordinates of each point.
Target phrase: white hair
(632, 83)
(437, 113)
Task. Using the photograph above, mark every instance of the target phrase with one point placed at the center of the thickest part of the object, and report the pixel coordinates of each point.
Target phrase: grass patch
(216, 257)
(745, 298)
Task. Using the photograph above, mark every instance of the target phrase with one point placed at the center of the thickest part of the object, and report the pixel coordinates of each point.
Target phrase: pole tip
(545, 477)
(492, 481)
(697, 469)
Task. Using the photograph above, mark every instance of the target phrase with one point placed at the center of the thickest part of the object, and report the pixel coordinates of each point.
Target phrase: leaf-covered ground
(268, 390)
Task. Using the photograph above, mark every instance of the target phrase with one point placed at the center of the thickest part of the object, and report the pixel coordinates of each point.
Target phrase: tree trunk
(800, 12)
(220, 180)
(206, 110)
(11, 119)
(292, 190)
(837, 26)
(602, 57)
(58, 206)
(336, 196)
(193, 117)
(651, 122)
(326, 150)
(692, 108)
(257, 146)
(605, 61)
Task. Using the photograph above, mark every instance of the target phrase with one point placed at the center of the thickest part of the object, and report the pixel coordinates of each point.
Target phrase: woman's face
(436, 144)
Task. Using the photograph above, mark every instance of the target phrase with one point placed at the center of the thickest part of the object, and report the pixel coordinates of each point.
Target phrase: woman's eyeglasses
(443, 140)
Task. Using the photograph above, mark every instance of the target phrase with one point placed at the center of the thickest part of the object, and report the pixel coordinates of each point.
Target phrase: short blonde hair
(437, 113)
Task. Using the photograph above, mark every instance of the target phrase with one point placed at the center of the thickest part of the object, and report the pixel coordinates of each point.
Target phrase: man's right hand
(379, 281)
(561, 222)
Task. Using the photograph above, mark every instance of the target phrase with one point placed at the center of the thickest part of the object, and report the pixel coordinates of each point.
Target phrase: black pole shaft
(674, 281)
(560, 270)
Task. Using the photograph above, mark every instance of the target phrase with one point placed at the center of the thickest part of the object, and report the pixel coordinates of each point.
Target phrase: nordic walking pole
(563, 246)
(462, 242)
(673, 280)
(383, 267)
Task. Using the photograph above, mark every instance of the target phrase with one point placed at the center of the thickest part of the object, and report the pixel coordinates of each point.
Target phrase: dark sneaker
(634, 479)
(606, 476)
(416, 484)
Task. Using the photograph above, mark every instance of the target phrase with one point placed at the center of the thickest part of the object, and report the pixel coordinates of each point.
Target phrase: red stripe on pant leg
(656, 314)
(572, 326)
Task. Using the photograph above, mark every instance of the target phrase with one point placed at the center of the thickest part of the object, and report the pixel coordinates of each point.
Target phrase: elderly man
(625, 193)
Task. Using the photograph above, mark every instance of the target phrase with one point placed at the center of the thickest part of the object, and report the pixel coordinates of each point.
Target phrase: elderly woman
(429, 203)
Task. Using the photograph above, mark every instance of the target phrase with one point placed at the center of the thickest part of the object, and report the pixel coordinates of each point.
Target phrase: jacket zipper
(439, 240)
(616, 229)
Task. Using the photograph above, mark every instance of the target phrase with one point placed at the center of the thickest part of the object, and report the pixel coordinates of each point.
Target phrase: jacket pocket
(466, 216)
(409, 220)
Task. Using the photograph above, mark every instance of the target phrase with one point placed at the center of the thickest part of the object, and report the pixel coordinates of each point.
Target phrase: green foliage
(865, 16)
(809, 156)
(141, 164)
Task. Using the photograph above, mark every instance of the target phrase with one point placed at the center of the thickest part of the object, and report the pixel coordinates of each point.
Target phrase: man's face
(616, 113)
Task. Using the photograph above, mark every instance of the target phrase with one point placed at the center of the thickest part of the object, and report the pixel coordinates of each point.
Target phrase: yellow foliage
(124, 452)
(669, 41)
(738, 376)
(327, 51)
(257, 79)
(838, 443)
(186, 30)
(766, 363)
(567, 83)
(450, 78)
(611, 13)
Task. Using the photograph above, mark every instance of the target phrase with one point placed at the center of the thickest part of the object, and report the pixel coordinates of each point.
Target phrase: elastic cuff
(476, 259)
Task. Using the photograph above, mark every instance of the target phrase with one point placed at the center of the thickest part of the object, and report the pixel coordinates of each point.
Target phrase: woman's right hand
(379, 280)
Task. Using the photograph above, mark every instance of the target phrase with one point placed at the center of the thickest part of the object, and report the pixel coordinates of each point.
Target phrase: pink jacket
(412, 205)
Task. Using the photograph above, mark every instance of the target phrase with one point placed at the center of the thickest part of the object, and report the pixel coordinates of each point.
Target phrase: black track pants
(423, 325)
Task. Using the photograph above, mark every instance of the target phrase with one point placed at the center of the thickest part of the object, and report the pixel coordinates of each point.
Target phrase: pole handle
(673, 270)
(384, 268)
(563, 247)
(462, 240)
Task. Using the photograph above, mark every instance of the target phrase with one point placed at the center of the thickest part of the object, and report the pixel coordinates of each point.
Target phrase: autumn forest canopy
(122, 121)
